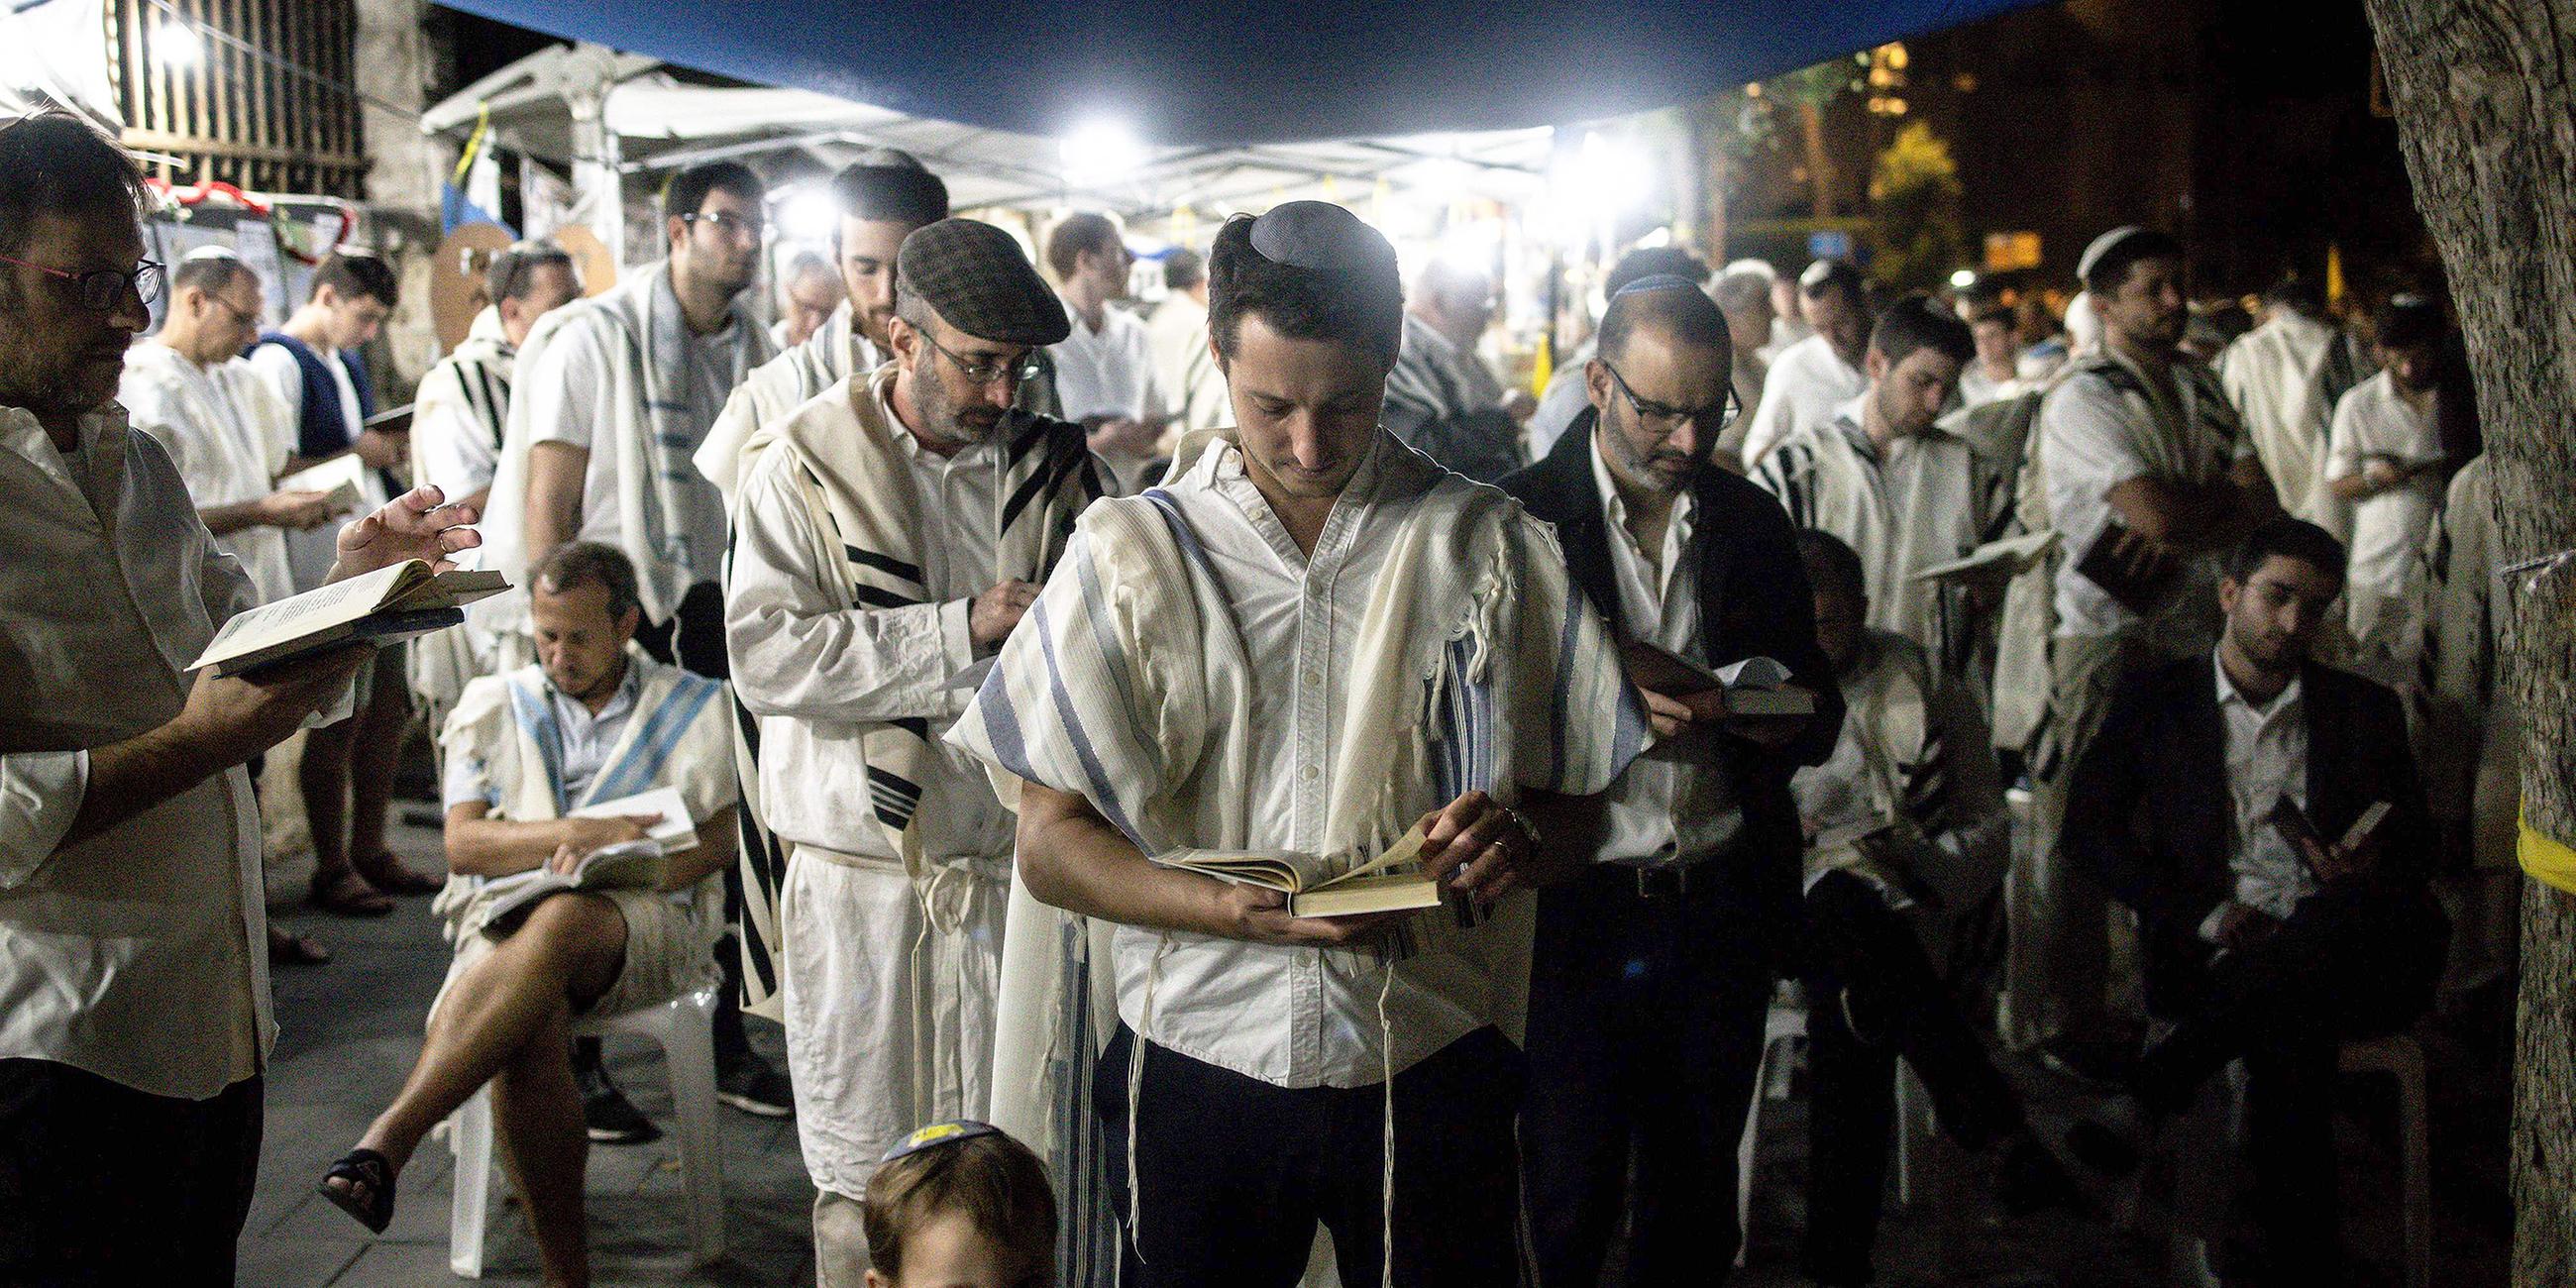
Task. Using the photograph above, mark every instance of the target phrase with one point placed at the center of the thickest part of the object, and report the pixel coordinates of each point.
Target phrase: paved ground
(352, 1028)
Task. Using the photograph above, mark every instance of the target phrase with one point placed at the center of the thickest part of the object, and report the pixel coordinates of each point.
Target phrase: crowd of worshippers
(959, 610)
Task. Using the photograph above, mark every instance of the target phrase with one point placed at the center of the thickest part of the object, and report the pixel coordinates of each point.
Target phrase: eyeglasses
(249, 317)
(1022, 368)
(102, 290)
(744, 227)
(1665, 419)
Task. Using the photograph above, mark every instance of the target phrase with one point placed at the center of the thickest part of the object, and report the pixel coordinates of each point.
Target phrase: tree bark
(2485, 95)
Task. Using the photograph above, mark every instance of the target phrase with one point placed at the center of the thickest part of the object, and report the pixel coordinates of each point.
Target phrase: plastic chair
(2402, 1058)
(685, 1028)
(1786, 1023)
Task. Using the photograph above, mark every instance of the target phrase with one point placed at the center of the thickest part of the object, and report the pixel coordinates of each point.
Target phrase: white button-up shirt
(229, 437)
(1292, 1017)
(1108, 372)
(138, 953)
(2267, 758)
(1657, 604)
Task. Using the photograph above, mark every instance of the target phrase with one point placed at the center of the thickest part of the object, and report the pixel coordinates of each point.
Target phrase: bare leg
(372, 759)
(570, 947)
(324, 776)
(539, 1111)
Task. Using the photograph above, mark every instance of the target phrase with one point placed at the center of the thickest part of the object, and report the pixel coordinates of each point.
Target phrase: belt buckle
(1662, 883)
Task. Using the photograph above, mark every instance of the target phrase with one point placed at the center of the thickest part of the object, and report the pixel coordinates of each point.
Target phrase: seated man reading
(594, 720)
(2262, 943)
(1907, 837)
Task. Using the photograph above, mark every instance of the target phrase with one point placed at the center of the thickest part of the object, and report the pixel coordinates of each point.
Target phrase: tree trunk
(1820, 159)
(2486, 111)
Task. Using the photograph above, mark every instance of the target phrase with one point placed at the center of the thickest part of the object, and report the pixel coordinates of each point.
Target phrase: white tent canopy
(654, 121)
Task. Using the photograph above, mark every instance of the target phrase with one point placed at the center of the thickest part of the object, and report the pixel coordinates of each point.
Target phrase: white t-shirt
(2090, 432)
(1108, 372)
(563, 392)
(2388, 530)
(311, 552)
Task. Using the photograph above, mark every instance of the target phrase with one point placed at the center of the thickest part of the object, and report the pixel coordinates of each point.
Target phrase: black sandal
(368, 1168)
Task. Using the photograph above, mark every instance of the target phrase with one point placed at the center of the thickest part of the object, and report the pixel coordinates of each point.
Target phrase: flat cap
(975, 278)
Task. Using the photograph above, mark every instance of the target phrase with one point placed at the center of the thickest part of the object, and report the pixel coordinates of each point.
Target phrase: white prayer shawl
(647, 434)
(1931, 498)
(1925, 760)
(474, 383)
(474, 379)
(1128, 685)
(1802, 388)
(230, 437)
(2284, 377)
(679, 736)
(2470, 739)
(776, 388)
(860, 490)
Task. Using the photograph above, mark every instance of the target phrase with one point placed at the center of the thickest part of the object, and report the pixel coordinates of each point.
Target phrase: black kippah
(1321, 237)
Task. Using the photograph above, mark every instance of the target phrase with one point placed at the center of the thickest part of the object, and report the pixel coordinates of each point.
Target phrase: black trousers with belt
(101, 1184)
(1645, 1027)
(1233, 1174)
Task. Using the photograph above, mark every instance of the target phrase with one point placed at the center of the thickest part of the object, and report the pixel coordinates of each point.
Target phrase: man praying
(1311, 640)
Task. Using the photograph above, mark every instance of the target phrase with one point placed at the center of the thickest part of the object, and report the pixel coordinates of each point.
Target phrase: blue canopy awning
(1219, 74)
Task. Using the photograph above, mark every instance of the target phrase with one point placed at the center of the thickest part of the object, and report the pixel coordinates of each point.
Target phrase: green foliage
(1916, 237)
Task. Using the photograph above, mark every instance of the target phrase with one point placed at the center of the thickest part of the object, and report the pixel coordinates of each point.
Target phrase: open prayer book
(1756, 686)
(675, 833)
(628, 865)
(336, 478)
(2295, 827)
(380, 607)
(1995, 560)
(1323, 885)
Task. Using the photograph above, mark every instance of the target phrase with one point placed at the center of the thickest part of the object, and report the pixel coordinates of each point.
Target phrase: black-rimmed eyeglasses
(1666, 418)
(102, 290)
(1022, 368)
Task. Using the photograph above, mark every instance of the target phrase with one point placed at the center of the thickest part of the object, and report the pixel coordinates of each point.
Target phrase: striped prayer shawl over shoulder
(860, 490)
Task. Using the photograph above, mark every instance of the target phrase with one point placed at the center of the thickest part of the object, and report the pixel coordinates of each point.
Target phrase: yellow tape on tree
(2548, 861)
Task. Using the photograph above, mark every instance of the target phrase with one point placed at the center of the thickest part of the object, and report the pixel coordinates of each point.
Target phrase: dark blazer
(2150, 816)
(1753, 602)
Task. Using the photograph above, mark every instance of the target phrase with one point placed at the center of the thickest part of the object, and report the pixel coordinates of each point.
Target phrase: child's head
(960, 1205)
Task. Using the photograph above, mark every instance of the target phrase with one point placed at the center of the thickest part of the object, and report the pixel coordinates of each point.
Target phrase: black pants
(694, 640)
(102, 1184)
(1236, 1173)
(1862, 962)
(2355, 961)
(1645, 1026)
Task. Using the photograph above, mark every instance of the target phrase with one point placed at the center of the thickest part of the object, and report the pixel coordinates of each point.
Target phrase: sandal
(387, 874)
(368, 1168)
(348, 894)
(286, 948)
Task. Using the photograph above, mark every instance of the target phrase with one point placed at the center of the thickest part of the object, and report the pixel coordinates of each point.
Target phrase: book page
(310, 613)
(337, 478)
(676, 832)
(1402, 857)
(2011, 556)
